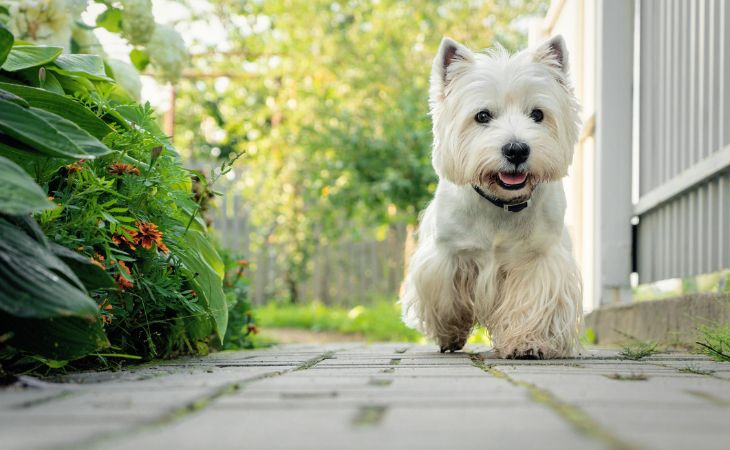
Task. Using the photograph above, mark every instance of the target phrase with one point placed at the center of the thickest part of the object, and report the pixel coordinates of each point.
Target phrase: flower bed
(102, 249)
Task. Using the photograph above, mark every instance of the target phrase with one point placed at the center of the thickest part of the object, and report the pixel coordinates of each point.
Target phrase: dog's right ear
(449, 56)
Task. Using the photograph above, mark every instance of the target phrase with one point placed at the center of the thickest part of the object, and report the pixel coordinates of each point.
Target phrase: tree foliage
(329, 100)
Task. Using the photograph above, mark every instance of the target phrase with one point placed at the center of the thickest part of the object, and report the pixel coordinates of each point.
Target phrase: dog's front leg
(438, 297)
(538, 309)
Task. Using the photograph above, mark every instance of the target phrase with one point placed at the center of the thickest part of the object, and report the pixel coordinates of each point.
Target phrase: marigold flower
(244, 262)
(76, 166)
(123, 168)
(124, 267)
(149, 234)
(120, 239)
(122, 282)
(98, 260)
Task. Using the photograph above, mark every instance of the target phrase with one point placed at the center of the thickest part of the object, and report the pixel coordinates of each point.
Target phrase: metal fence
(683, 138)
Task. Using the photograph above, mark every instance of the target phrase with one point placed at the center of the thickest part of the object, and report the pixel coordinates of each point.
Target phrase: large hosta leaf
(91, 146)
(34, 283)
(19, 194)
(203, 265)
(61, 105)
(59, 338)
(93, 276)
(6, 43)
(48, 133)
(89, 66)
(25, 56)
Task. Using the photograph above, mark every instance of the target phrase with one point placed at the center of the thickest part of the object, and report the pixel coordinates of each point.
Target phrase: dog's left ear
(553, 53)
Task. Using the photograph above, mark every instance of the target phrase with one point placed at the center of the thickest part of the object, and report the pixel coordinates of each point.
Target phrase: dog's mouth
(512, 181)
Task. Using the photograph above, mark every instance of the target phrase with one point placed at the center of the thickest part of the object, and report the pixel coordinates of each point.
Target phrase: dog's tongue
(512, 178)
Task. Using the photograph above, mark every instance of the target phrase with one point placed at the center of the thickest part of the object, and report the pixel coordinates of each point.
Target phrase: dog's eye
(483, 116)
(537, 115)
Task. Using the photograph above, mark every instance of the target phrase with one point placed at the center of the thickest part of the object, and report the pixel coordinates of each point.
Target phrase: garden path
(381, 396)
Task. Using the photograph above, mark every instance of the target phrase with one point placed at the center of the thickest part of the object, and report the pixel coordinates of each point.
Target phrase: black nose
(516, 152)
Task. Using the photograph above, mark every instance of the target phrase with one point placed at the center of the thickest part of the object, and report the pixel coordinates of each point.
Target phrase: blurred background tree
(329, 101)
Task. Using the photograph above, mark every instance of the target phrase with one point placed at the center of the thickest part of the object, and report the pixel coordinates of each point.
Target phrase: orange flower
(98, 260)
(244, 262)
(122, 282)
(252, 329)
(123, 168)
(149, 234)
(120, 239)
(75, 167)
(124, 267)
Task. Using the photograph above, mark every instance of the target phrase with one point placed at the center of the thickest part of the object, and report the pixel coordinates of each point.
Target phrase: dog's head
(503, 122)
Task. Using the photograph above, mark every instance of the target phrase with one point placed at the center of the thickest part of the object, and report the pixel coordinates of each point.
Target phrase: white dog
(492, 247)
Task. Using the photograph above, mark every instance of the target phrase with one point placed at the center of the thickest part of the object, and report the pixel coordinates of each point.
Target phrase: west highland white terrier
(492, 247)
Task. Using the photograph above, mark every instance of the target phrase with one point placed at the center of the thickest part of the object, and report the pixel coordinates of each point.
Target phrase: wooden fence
(344, 272)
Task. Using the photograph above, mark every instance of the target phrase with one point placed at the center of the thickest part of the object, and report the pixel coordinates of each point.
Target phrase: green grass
(638, 350)
(716, 343)
(378, 321)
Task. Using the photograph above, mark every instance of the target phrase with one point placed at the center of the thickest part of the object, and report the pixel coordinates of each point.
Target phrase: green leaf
(205, 274)
(27, 127)
(6, 43)
(59, 338)
(91, 146)
(34, 283)
(89, 66)
(25, 56)
(9, 96)
(52, 84)
(19, 194)
(111, 19)
(90, 274)
(61, 105)
(140, 59)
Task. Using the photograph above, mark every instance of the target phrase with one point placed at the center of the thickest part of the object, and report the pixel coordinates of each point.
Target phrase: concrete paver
(384, 396)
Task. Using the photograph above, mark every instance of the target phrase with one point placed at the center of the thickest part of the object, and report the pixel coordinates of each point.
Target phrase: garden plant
(104, 255)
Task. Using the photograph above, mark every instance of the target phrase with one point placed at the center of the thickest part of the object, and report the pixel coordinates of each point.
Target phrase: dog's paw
(453, 346)
(525, 353)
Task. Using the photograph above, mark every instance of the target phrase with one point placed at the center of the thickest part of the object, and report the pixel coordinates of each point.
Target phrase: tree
(329, 100)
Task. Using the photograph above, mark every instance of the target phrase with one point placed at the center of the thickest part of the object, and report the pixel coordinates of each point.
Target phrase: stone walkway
(384, 396)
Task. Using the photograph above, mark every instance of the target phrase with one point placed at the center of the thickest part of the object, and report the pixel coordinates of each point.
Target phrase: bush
(101, 243)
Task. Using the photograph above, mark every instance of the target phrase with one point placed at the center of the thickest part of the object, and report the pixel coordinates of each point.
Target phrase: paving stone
(384, 396)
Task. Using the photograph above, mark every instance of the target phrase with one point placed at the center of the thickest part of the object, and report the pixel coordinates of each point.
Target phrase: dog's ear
(553, 53)
(450, 53)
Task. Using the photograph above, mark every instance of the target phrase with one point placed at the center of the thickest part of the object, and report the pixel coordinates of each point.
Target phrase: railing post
(614, 100)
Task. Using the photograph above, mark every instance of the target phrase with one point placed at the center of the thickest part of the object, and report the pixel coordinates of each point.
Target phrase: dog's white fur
(512, 272)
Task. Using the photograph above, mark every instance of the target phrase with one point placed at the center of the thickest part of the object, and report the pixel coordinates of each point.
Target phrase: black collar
(511, 207)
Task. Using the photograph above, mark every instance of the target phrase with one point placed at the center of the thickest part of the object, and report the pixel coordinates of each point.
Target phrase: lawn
(378, 321)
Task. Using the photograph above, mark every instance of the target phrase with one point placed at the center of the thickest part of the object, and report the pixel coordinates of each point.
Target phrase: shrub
(101, 243)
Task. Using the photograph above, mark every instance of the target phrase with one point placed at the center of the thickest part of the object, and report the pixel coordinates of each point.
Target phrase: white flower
(167, 52)
(76, 7)
(41, 21)
(87, 42)
(138, 23)
(126, 76)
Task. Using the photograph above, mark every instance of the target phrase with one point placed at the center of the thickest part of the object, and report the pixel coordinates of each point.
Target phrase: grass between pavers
(581, 421)
(716, 343)
(638, 350)
(379, 321)
(627, 376)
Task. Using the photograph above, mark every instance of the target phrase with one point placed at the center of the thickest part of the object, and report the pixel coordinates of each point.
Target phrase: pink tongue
(512, 178)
